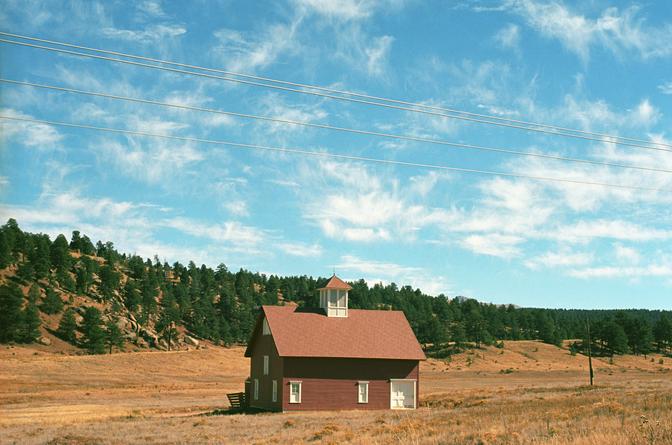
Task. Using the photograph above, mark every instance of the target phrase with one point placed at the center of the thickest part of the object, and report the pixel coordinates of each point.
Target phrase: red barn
(332, 357)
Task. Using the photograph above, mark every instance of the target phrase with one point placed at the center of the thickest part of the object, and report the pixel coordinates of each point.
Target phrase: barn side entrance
(402, 394)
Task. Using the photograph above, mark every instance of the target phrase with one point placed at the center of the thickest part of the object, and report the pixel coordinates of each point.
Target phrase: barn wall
(264, 345)
(331, 383)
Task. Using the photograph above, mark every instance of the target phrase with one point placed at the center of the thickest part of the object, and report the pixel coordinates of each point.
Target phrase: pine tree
(52, 304)
(86, 246)
(109, 280)
(662, 332)
(11, 315)
(34, 294)
(65, 279)
(169, 317)
(67, 328)
(5, 251)
(642, 343)
(30, 330)
(94, 335)
(75, 241)
(113, 336)
(614, 336)
(14, 237)
(60, 253)
(458, 334)
(131, 296)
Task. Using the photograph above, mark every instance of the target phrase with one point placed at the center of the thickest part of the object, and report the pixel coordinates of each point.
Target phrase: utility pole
(590, 355)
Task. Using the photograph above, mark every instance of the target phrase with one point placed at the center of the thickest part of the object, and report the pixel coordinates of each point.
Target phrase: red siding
(264, 345)
(331, 383)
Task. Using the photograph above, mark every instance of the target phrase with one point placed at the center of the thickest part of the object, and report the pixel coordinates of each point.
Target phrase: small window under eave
(265, 329)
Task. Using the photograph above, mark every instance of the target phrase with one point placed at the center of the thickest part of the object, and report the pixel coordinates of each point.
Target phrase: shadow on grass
(233, 411)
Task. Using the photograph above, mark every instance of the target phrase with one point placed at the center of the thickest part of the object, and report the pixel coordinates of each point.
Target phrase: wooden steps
(237, 400)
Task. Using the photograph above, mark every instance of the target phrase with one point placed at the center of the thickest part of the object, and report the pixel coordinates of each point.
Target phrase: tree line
(221, 305)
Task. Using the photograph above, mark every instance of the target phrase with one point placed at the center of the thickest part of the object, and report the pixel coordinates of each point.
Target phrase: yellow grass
(526, 393)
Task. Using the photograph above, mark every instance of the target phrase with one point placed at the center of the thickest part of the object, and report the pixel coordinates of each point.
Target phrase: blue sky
(595, 65)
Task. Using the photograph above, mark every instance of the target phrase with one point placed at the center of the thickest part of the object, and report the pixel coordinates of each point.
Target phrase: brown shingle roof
(336, 283)
(363, 334)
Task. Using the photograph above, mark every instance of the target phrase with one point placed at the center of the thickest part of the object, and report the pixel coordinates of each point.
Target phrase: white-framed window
(256, 389)
(274, 394)
(363, 392)
(294, 392)
(337, 303)
(265, 365)
(265, 329)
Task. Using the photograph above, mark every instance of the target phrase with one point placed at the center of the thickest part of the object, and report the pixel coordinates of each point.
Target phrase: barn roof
(362, 334)
(336, 283)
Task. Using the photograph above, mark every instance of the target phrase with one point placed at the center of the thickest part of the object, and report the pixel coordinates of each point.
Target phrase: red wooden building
(332, 357)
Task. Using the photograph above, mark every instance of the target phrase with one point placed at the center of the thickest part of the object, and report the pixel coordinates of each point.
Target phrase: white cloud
(617, 31)
(348, 201)
(150, 161)
(377, 55)
(595, 114)
(340, 9)
(154, 125)
(152, 34)
(494, 244)
(249, 52)
(561, 258)
(347, 10)
(34, 135)
(238, 236)
(652, 270)
(508, 37)
(300, 249)
(152, 8)
(273, 105)
(665, 88)
(626, 254)
(237, 207)
(586, 230)
(387, 272)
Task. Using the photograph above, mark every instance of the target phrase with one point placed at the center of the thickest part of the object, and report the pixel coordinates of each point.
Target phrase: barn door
(402, 394)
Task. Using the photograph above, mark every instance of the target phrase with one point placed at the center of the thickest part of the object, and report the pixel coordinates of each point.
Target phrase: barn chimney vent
(334, 297)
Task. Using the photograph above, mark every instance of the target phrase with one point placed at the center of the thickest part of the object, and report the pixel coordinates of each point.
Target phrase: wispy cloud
(387, 272)
(615, 30)
(348, 10)
(562, 258)
(34, 135)
(653, 270)
(508, 37)
(300, 249)
(378, 54)
(253, 51)
(151, 34)
(494, 244)
(665, 88)
(150, 161)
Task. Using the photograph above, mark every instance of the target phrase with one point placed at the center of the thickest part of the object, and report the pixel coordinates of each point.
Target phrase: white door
(402, 394)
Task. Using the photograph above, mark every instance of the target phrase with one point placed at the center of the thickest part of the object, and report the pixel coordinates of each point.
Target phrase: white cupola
(334, 297)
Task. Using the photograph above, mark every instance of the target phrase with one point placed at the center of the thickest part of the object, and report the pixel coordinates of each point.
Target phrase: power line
(418, 107)
(332, 155)
(331, 127)
(332, 90)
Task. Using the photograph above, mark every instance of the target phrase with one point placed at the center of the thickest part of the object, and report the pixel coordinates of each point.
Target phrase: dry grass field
(525, 393)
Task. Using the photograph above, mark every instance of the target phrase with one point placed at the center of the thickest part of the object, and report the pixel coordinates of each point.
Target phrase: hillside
(74, 297)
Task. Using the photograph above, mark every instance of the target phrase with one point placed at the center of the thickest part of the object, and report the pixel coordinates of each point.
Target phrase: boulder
(191, 340)
(44, 341)
(124, 324)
